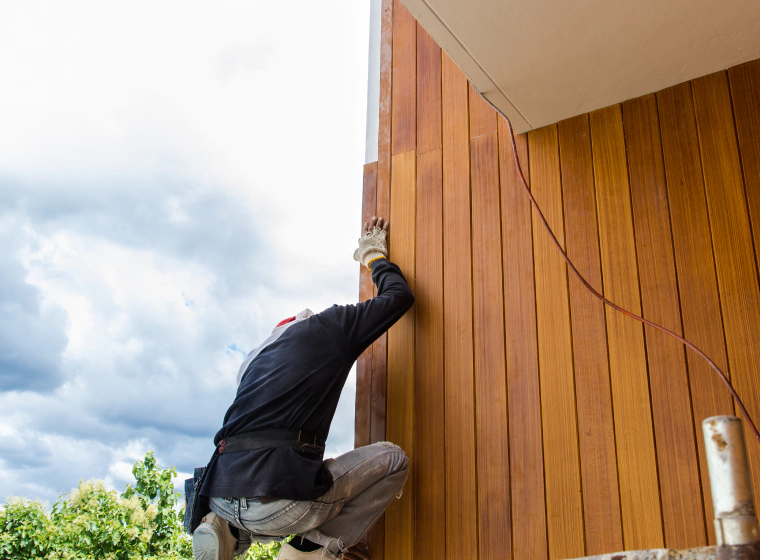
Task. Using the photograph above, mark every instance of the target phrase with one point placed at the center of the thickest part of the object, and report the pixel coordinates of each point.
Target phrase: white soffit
(541, 61)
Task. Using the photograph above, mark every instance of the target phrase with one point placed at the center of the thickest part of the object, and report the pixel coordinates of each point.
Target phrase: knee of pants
(397, 459)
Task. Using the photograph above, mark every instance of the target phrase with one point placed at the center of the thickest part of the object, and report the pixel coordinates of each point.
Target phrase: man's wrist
(373, 259)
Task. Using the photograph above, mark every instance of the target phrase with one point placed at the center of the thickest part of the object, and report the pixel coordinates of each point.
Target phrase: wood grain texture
(379, 349)
(430, 513)
(379, 388)
(404, 133)
(482, 116)
(384, 130)
(362, 431)
(698, 286)
(745, 92)
(524, 401)
(376, 534)
(428, 92)
(399, 517)
(637, 467)
(601, 499)
(564, 507)
(594, 450)
(682, 508)
(732, 240)
(461, 489)
(490, 361)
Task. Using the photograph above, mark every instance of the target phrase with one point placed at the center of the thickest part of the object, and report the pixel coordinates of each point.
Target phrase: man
(268, 478)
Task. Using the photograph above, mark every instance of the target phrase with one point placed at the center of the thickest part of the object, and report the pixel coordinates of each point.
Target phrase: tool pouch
(196, 506)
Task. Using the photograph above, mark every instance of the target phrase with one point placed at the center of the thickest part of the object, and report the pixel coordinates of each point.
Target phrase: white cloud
(175, 178)
(122, 461)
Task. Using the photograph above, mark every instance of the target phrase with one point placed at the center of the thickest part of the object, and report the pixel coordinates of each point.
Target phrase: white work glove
(372, 246)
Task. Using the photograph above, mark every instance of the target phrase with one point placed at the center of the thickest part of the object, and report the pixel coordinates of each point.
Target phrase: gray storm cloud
(32, 337)
(158, 369)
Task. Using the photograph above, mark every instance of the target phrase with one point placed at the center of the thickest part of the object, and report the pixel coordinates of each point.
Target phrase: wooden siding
(540, 424)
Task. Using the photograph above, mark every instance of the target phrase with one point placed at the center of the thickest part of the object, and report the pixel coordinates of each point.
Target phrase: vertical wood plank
(637, 467)
(404, 134)
(732, 239)
(524, 408)
(490, 362)
(601, 499)
(399, 517)
(376, 534)
(430, 442)
(384, 130)
(682, 508)
(379, 387)
(461, 490)
(379, 348)
(745, 91)
(482, 116)
(564, 509)
(428, 92)
(362, 432)
(698, 286)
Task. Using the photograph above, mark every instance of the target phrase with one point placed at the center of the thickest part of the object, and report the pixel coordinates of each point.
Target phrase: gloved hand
(373, 243)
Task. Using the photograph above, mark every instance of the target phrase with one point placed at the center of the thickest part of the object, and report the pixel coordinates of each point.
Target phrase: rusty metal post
(736, 525)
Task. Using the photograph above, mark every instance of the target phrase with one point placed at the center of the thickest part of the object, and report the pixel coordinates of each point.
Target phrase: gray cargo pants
(365, 481)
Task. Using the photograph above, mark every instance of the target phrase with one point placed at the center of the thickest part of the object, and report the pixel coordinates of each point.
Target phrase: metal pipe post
(736, 525)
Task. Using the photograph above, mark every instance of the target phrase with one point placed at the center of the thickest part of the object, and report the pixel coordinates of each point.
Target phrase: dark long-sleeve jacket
(295, 383)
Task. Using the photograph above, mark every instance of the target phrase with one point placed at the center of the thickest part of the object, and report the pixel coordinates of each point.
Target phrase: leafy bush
(95, 523)
(25, 530)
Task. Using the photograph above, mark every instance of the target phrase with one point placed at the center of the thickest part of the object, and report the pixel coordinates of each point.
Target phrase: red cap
(285, 321)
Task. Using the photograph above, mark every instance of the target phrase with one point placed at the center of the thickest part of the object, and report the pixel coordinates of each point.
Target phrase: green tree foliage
(95, 523)
(25, 530)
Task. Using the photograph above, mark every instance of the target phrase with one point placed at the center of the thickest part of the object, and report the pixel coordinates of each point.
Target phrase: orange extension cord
(588, 286)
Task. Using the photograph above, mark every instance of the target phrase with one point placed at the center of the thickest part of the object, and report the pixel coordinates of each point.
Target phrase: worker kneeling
(268, 479)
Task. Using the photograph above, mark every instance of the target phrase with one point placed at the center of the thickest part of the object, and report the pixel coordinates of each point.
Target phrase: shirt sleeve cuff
(374, 261)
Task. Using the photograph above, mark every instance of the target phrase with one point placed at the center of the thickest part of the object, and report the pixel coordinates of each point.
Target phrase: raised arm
(363, 323)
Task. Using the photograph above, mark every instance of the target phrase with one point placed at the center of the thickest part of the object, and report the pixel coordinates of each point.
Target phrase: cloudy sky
(175, 178)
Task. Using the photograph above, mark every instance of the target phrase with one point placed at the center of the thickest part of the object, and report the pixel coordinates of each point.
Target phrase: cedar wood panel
(540, 424)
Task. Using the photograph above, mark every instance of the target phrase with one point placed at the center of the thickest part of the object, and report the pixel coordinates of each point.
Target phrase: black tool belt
(269, 438)
(196, 506)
